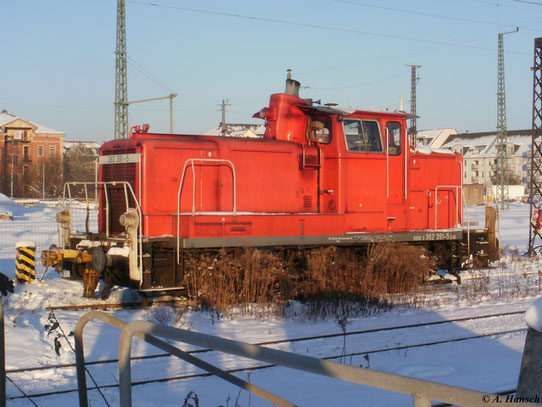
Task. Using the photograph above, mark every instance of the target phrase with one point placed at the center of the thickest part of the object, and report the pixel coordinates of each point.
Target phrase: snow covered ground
(487, 364)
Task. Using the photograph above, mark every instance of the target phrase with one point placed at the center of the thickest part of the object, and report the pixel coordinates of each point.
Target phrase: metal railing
(422, 391)
(128, 192)
(190, 162)
(458, 189)
(80, 363)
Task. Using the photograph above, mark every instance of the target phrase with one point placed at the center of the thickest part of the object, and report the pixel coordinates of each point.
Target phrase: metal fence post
(125, 371)
(80, 351)
(421, 401)
(530, 379)
(3, 359)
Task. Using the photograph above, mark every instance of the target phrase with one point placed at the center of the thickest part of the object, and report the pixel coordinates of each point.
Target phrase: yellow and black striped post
(25, 263)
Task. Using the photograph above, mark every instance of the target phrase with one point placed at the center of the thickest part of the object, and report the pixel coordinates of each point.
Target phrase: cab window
(393, 130)
(362, 135)
(319, 129)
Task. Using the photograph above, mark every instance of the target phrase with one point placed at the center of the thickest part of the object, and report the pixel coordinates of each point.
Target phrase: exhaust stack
(292, 86)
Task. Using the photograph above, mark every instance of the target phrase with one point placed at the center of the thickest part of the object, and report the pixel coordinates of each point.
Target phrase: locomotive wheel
(98, 259)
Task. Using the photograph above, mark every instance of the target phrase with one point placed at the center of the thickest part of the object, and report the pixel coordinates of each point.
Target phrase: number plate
(119, 159)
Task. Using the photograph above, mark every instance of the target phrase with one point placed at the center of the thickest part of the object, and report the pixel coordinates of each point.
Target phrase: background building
(239, 130)
(30, 158)
(480, 156)
(434, 138)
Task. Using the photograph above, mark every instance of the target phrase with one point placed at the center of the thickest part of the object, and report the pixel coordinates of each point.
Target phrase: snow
(488, 364)
(25, 243)
(533, 315)
(484, 145)
(119, 251)
(12, 208)
(6, 118)
(428, 150)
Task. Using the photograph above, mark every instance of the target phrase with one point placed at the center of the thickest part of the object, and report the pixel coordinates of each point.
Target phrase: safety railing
(128, 193)
(187, 357)
(458, 190)
(191, 162)
(422, 391)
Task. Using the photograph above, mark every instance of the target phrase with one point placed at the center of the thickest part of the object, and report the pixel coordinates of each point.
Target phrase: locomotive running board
(348, 239)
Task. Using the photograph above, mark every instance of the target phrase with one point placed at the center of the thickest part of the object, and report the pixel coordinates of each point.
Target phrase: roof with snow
(485, 144)
(239, 130)
(434, 138)
(6, 118)
(92, 145)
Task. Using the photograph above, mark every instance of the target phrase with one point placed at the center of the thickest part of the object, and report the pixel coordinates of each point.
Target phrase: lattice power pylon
(121, 77)
(535, 195)
(413, 82)
(501, 168)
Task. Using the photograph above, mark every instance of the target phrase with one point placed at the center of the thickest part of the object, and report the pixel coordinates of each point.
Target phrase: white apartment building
(479, 152)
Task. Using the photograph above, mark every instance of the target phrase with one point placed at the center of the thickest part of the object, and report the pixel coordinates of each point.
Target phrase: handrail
(457, 206)
(422, 391)
(185, 167)
(127, 187)
(117, 323)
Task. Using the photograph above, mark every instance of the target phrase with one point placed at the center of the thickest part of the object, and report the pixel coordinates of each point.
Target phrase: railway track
(342, 356)
(172, 302)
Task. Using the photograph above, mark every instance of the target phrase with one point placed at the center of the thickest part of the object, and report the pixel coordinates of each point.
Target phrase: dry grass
(516, 276)
(342, 282)
(520, 276)
(234, 282)
(330, 282)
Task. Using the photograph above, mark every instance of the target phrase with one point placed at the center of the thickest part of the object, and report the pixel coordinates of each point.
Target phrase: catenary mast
(501, 169)
(121, 78)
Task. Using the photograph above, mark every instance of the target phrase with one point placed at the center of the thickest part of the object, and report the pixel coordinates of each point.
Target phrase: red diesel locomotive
(321, 175)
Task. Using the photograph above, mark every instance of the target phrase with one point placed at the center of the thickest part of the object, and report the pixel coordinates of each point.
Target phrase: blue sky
(58, 65)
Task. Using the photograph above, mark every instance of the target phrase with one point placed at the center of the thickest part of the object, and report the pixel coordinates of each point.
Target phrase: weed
(53, 327)
(516, 276)
(233, 282)
(330, 282)
(368, 360)
(162, 316)
(191, 400)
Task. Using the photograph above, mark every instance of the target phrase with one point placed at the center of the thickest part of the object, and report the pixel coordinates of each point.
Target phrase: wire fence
(32, 221)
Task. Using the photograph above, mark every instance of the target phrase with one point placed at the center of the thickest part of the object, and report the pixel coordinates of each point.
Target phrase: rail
(128, 191)
(191, 162)
(458, 188)
(422, 391)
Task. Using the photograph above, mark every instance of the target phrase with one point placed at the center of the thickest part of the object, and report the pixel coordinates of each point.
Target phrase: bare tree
(42, 181)
(80, 166)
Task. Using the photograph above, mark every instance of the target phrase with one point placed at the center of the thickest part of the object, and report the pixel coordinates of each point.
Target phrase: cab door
(396, 151)
(364, 175)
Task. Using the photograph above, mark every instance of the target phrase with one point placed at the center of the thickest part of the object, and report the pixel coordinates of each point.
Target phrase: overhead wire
(363, 84)
(528, 2)
(411, 52)
(148, 74)
(462, 19)
(388, 56)
(317, 26)
(421, 13)
(497, 4)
